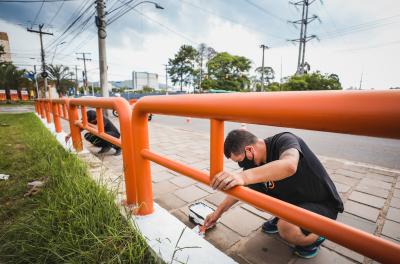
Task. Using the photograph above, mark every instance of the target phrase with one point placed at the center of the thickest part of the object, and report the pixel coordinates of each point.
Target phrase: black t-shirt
(310, 183)
(109, 128)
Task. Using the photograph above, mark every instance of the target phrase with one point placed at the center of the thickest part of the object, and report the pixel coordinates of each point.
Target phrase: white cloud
(134, 47)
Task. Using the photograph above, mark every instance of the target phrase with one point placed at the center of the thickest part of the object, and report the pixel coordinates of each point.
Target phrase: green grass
(72, 219)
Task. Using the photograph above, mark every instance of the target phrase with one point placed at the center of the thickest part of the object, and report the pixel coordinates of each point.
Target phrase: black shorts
(319, 208)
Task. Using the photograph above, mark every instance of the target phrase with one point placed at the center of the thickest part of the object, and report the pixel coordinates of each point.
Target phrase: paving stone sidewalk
(371, 195)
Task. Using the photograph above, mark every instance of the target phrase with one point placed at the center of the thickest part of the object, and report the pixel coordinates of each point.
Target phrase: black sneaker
(117, 152)
(270, 227)
(309, 251)
(104, 150)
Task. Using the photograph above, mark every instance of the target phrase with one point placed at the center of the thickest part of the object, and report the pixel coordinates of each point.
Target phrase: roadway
(376, 151)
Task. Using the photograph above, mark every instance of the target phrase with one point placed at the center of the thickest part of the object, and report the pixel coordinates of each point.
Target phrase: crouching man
(283, 167)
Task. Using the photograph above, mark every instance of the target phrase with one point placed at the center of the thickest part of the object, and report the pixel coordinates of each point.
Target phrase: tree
(227, 72)
(269, 74)
(181, 67)
(59, 74)
(12, 78)
(312, 81)
(205, 53)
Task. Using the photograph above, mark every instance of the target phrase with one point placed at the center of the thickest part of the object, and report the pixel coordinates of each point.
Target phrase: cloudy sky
(356, 38)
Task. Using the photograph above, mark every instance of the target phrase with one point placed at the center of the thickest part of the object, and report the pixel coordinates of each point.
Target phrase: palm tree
(59, 73)
(11, 78)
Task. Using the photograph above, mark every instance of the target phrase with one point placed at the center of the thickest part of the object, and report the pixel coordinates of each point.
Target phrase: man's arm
(276, 170)
(212, 218)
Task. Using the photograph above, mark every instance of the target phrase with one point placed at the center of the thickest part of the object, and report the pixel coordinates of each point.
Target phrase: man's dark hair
(91, 115)
(236, 140)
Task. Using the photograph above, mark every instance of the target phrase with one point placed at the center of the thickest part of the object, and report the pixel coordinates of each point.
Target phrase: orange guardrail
(125, 142)
(42, 109)
(60, 110)
(370, 113)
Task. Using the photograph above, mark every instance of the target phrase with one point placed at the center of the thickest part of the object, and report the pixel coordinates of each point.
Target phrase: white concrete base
(162, 230)
(61, 137)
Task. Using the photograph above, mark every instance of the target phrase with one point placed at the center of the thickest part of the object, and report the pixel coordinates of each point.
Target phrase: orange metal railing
(60, 110)
(374, 113)
(125, 142)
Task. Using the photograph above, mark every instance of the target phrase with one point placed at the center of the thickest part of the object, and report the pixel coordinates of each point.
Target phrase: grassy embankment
(71, 219)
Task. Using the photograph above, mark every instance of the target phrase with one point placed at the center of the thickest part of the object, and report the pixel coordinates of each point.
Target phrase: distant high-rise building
(5, 54)
(142, 79)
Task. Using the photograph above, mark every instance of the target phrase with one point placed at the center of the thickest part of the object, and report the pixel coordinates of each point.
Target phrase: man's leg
(293, 234)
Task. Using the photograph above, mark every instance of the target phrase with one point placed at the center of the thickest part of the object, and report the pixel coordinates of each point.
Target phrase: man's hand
(225, 180)
(211, 219)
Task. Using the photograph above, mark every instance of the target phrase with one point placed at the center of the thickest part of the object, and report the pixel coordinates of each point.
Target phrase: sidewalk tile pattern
(371, 196)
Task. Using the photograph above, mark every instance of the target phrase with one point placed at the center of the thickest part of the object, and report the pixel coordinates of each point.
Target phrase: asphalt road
(377, 151)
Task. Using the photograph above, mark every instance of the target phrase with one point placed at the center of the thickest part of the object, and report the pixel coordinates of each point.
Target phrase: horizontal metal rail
(361, 113)
(122, 107)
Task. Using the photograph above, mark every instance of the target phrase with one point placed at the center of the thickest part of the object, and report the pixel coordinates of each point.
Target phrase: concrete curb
(167, 236)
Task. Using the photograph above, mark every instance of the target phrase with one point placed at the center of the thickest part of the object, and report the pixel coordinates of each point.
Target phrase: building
(142, 79)
(122, 84)
(5, 56)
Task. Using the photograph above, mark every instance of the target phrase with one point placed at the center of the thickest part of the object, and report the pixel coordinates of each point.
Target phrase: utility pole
(85, 79)
(166, 79)
(44, 74)
(361, 80)
(102, 34)
(262, 67)
(36, 82)
(304, 38)
(76, 80)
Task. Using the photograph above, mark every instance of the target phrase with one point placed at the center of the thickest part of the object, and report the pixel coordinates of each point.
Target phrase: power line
(167, 28)
(371, 47)
(58, 11)
(76, 16)
(226, 18)
(34, 1)
(37, 14)
(266, 11)
(359, 27)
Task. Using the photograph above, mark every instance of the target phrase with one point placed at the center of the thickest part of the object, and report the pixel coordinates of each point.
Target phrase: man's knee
(287, 230)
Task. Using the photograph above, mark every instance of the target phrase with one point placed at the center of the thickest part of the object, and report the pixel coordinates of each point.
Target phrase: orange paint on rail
(125, 142)
(369, 113)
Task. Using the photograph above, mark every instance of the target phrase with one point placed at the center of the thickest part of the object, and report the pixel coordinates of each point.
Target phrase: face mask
(246, 163)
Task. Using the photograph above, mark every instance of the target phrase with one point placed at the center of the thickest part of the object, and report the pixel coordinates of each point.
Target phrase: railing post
(100, 121)
(59, 109)
(65, 111)
(75, 131)
(125, 120)
(47, 107)
(56, 117)
(216, 147)
(84, 116)
(142, 165)
(42, 109)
